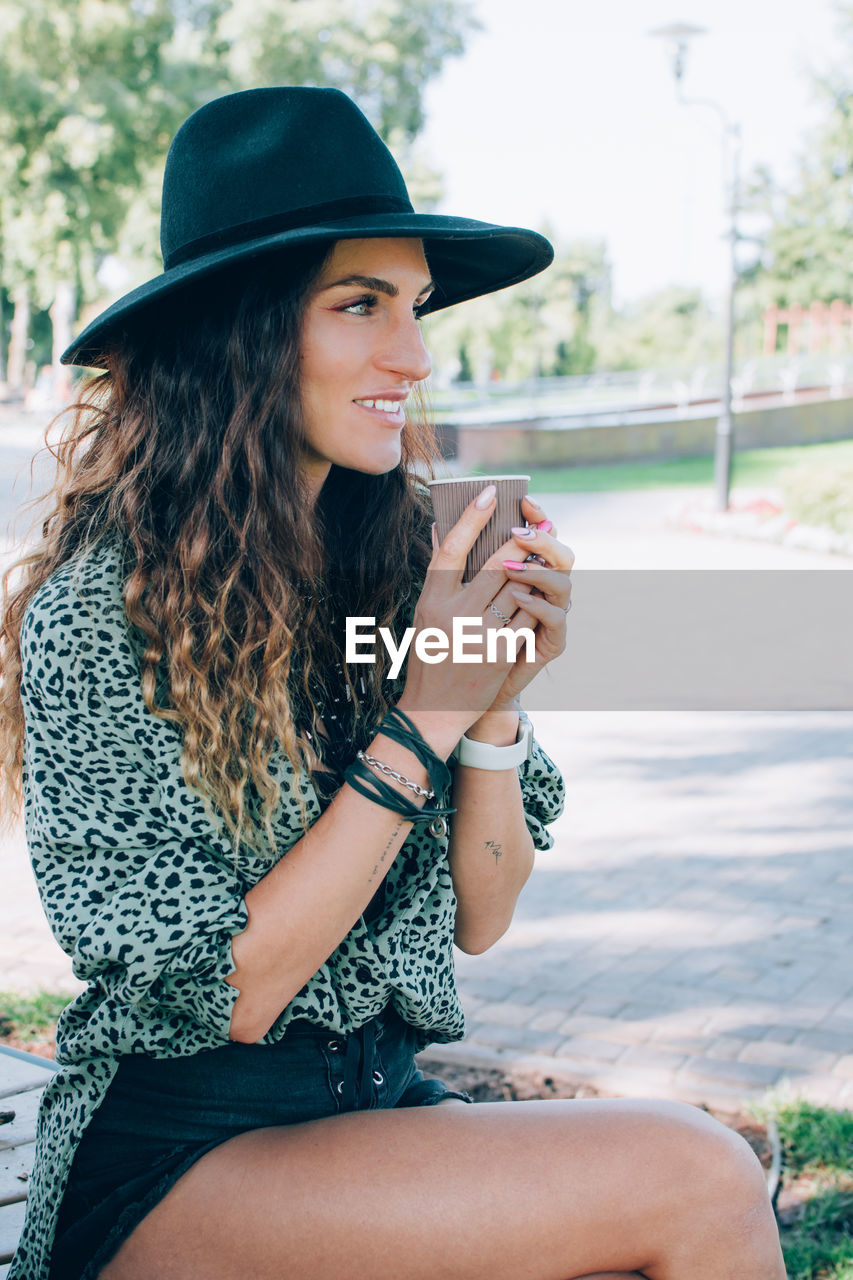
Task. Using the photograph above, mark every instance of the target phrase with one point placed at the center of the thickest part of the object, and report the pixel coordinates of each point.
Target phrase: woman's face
(362, 352)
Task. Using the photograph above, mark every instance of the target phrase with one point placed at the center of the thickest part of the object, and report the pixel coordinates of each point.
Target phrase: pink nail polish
(485, 498)
(546, 526)
(513, 564)
(520, 532)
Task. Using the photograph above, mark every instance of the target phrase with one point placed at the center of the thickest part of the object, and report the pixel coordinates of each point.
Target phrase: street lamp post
(678, 36)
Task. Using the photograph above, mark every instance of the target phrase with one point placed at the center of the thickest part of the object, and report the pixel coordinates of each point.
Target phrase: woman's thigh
(546, 1190)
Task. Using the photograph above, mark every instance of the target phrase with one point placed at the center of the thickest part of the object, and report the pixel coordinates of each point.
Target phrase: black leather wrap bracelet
(398, 726)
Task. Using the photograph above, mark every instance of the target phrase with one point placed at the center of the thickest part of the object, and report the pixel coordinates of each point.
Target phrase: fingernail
(546, 526)
(533, 502)
(485, 498)
(513, 564)
(520, 532)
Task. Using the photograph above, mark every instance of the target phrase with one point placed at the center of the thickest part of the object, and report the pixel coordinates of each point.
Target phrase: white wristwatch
(483, 755)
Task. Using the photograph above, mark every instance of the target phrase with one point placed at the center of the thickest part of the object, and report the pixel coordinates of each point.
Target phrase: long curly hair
(186, 451)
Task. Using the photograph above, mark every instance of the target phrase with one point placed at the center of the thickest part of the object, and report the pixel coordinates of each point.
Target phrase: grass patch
(815, 1139)
(816, 1201)
(818, 1243)
(26, 1018)
(621, 476)
(821, 494)
(752, 467)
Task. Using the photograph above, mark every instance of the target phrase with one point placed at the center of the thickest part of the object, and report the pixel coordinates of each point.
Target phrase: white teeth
(384, 406)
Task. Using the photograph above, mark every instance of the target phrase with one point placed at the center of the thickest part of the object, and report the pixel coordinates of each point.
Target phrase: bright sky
(566, 113)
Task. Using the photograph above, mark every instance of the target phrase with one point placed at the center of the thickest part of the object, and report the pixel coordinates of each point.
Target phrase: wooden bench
(22, 1078)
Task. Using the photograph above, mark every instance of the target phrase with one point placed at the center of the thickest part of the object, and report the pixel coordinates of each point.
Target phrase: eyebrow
(375, 284)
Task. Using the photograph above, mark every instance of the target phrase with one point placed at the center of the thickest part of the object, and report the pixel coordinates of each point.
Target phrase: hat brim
(467, 259)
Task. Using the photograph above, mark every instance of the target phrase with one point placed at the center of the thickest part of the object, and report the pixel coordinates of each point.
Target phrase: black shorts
(160, 1115)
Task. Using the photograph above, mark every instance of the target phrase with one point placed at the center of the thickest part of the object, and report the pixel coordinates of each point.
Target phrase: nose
(404, 352)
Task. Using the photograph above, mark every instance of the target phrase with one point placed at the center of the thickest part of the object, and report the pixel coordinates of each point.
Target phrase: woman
(238, 1095)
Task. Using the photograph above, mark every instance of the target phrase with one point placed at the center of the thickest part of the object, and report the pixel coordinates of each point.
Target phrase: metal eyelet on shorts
(334, 1046)
(378, 1077)
(340, 1087)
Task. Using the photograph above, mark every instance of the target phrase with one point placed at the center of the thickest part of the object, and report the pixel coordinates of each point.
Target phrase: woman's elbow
(475, 941)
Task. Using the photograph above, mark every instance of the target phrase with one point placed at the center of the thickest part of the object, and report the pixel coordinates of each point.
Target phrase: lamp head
(678, 36)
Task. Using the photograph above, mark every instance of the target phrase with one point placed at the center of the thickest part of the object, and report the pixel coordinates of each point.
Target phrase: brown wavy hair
(186, 451)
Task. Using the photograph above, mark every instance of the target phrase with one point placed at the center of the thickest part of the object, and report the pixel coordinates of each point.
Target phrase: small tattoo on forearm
(494, 849)
(384, 854)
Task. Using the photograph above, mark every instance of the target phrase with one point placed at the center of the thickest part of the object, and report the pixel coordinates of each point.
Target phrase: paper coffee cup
(451, 497)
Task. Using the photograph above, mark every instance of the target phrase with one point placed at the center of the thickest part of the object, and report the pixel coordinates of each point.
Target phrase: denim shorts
(160, 1115)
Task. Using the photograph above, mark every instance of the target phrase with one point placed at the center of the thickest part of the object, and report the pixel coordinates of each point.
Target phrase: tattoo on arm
(494, 849)
(384, 854)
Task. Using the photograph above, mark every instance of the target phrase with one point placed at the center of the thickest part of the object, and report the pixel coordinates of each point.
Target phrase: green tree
(805, 254)
(381, 52)
(540, 327)
(87, 92)
(91, 92)
(672, 327)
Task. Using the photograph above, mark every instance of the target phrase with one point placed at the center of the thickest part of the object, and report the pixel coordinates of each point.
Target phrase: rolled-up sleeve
(137, 884)
(543, 795)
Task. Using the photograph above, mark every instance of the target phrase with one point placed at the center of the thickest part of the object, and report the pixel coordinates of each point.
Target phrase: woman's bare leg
(547, 1190)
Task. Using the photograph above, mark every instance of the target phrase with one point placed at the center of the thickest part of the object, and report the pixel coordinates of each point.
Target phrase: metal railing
(675, 388)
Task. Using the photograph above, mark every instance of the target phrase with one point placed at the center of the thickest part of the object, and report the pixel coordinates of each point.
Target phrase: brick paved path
(690, 934)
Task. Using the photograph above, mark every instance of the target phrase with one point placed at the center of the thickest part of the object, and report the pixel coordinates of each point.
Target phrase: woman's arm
(491, 850)
(303, 908)
(491, 847)
(349, 850)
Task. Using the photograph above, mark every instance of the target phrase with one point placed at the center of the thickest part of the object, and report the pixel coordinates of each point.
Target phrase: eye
(421, 309)
(363, 306)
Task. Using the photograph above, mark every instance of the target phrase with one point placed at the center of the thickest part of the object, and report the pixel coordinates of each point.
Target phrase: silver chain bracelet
(392, 773)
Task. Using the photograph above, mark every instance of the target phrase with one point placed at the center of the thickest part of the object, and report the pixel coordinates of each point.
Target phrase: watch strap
(484, 755)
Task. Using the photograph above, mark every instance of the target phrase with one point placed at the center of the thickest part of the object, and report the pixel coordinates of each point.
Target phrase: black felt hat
(253, 173)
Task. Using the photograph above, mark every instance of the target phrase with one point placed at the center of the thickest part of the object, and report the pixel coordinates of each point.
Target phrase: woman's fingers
(544, 610)
(542, 541)
(551, 635)
(451, 554)
(554, 584)
(531, 510)
(546, 555)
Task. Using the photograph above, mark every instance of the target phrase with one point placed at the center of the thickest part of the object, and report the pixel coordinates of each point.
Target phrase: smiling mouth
(393, 411)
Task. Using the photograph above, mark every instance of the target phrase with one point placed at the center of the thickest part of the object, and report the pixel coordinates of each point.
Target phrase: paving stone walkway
(691, 933)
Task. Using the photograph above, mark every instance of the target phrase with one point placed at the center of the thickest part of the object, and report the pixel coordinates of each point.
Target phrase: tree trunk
(18, 337)
(62, 318)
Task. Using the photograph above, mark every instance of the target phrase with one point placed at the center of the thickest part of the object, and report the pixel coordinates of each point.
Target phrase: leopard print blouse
(140, 888)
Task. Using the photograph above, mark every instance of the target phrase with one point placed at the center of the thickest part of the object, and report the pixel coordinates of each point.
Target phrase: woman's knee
(714, 1160)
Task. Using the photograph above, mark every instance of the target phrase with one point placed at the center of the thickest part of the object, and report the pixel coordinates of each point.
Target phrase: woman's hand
(445, 695)
(542, 592)
(457, 694)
